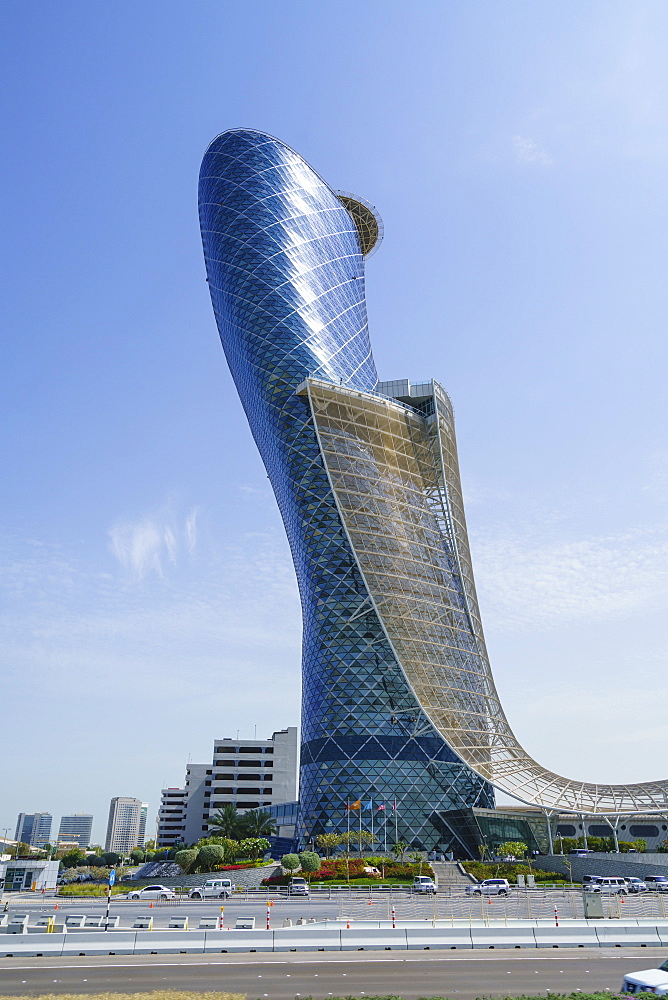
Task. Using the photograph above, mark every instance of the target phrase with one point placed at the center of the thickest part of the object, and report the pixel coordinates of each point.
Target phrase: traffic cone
(56, 907)
(150, 906)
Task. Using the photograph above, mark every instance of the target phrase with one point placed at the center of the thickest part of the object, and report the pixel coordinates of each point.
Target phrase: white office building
(124, 827)
(250, 774)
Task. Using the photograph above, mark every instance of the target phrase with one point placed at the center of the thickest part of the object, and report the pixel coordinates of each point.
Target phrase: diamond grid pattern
(286, 276)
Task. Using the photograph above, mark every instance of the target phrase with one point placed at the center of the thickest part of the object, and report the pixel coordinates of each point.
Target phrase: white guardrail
(335, 936)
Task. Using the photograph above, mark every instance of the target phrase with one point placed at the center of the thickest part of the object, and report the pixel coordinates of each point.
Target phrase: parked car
(423, 884)
(658, 883)
(297, 887)
(152, 892)
(636, 885)
(647, 981)
(219, 888)
(616, 886)
(581, 852)
(489, 887)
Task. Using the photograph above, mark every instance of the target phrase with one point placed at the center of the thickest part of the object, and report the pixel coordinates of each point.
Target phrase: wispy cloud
(146, 546)
(525, 582)
(528, 151)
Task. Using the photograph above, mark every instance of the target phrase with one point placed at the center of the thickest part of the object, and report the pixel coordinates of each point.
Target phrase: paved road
(290, 977)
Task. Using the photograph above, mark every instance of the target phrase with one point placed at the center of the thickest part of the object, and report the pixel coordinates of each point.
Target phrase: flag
(369, 805)
(381, 806)
(394, 806)
(354, 805)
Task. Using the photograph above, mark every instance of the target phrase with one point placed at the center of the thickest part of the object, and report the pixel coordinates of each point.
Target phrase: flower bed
(339, 870)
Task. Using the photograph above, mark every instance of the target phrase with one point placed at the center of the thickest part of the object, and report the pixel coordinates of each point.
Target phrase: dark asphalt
(412, 976)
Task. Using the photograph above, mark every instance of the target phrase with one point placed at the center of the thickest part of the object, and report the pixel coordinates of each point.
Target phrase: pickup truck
(219, 888)
(647, 981)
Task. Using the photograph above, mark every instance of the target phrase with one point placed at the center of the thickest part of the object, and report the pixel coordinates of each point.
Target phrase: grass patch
(83, 889)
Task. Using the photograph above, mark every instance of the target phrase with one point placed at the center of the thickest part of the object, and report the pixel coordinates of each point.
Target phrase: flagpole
(372, 838)
(396, 824)
(360, 840)
(385, 832)
(348, 843)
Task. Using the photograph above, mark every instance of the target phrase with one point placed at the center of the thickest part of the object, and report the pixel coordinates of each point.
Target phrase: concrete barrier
(208, 924)
(233, 940)
(143, 923)
(493, 936)
(75, 921)
(112, 943)
(308, 938)
(424, 938)
(31, 945)
(614, 935)
(17, 924)
(177, 923)
(97, 922)
(169, 942)
(358, 939)
(567, 935)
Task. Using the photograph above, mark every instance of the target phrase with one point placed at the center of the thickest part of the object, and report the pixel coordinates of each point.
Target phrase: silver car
(153, 892)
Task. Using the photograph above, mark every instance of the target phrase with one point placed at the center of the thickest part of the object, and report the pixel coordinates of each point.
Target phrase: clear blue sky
(517, 152)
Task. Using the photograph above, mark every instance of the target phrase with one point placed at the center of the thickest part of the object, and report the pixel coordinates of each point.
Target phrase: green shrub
(290, 862)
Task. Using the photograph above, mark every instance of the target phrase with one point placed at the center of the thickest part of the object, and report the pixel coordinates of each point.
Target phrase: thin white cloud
(144, 547)
(528, 151)
(524, 582)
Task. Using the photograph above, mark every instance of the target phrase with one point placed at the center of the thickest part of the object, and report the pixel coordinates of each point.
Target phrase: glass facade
(400, 711)
(286, 276)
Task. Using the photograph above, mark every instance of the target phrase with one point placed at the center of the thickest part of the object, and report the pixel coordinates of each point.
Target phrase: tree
(290, 862)
(231, 847)
(111, 858)
(22, 850)
(210, 856)
(512, 849)
(257, 823)
(328, 842)
(399, 849)
(137, 856)
(186, 859)
(309, 861)
(253, 847)
(640, 845)
(362, 838)
(226, 822)
(73, 858)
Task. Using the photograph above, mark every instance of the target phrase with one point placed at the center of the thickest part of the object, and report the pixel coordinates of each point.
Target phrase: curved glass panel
(286, 274)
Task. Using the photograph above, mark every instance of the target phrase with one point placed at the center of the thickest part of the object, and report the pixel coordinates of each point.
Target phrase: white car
(490, 887)
(636, 885)
(423, 884)
(153, 892)
(297, 887)
(220, 888)
(647, 981)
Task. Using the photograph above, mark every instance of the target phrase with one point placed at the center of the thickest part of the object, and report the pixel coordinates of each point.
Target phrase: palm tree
(226, 822)
(257, 823)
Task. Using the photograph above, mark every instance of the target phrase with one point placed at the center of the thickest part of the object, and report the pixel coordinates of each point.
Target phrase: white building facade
(124, 827)
(250, 774)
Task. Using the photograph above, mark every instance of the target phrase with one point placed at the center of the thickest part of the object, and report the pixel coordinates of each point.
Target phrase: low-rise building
(25, 874)
(250, 774)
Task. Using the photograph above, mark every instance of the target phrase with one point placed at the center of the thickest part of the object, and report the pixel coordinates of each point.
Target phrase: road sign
(112, 876)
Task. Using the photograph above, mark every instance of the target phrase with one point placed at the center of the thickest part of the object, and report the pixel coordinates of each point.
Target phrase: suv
(423, 883)
(220, 888)
(636, 885)
(489, 887)
(298, 887)
(659, 883)
(616, 886)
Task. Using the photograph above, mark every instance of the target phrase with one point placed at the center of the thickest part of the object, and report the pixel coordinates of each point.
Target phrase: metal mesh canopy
(395, 476)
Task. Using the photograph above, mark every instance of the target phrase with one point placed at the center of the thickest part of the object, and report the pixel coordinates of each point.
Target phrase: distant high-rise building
(34, 829)
(124, 827)
(75, 829)
(250, 774)
(142, 824)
